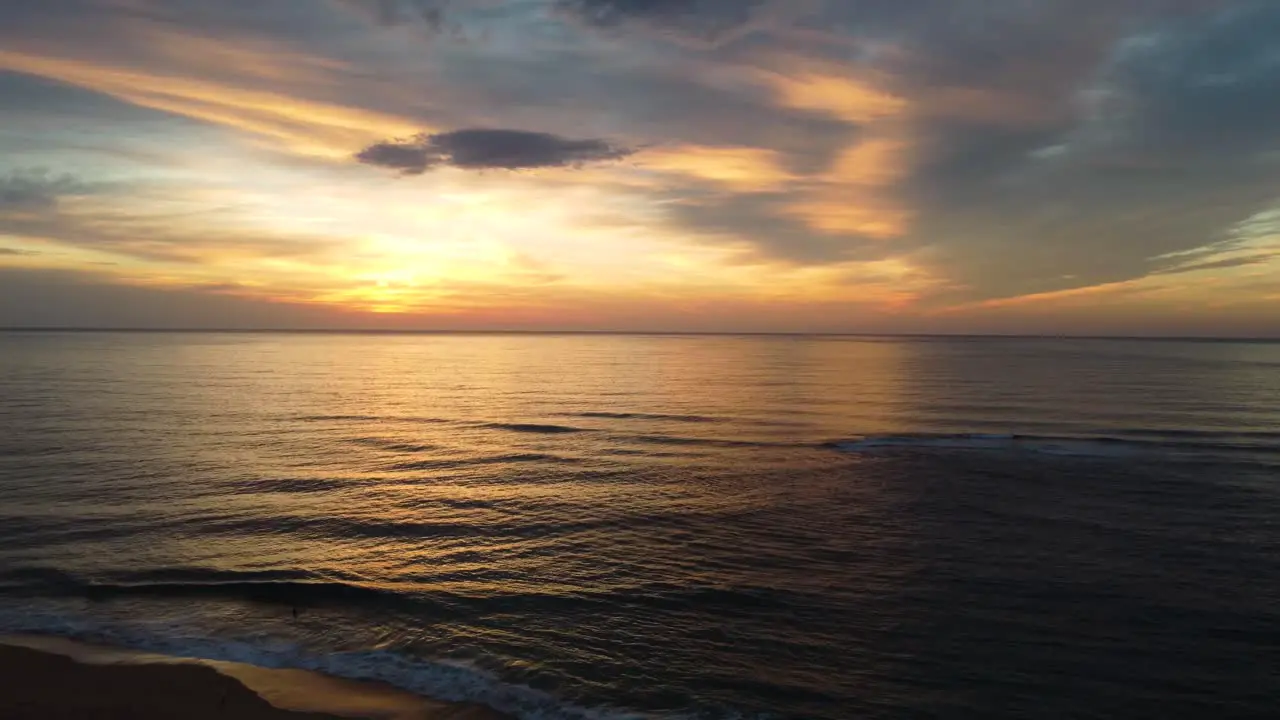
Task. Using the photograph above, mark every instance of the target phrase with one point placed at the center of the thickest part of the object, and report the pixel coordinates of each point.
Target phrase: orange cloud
(737, 168)
(848, 98)
(874, 162)
(304, 126)
(1089, 296)
(856, 196)
(838, 212)
(1126, 286)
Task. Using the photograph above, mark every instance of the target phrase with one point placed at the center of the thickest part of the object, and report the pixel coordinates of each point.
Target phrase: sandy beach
(52, 678)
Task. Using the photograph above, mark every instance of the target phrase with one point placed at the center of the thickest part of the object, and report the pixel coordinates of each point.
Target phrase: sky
(1095, 167)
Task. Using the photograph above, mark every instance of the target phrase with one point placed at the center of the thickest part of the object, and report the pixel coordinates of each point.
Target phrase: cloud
(149, 237)
(710, 20)
(432, 19)
(396, 12)
(706, 22)
(738, 168)
(641, 95)
(764, 228)
(139, 222)
(1159, 139)
(314, 127)
(35, 191)
(483, 149)
(1224, 264)
(11, 252)
(1202, 90)
(64, 298)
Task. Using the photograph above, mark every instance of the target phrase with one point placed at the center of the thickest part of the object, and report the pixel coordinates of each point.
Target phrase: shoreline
(49, 678)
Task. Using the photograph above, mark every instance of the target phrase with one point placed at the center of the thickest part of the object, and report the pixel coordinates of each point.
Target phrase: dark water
(667, 527)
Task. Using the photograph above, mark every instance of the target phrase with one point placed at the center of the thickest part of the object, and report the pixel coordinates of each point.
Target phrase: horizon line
(686, 333)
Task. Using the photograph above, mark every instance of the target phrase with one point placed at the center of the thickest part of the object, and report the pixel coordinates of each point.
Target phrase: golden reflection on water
(436, 438)
(611, 502)
(424, 434)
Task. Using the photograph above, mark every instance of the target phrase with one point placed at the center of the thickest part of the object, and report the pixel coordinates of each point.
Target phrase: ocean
(648, 526)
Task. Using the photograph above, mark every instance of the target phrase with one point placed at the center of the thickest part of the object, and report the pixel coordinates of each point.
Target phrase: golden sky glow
(531, 171)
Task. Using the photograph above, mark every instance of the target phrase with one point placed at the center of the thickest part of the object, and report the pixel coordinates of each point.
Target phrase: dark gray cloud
(433, 19)
(36, 191)
(1163, 139)
(1204, 89)
(709, 20)
(464, 21)
(12, 252)
(397, 12)
(484, 149)
(411, 156)
(89, 18)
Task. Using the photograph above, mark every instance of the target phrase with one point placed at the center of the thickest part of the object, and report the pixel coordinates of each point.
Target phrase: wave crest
(1126, 445)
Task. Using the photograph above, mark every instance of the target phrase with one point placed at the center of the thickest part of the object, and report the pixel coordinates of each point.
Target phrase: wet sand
(51, 678)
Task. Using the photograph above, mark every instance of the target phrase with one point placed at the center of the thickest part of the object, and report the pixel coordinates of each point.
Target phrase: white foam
(443, 679)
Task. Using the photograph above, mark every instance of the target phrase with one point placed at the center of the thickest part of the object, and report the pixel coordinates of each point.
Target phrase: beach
(52, 678)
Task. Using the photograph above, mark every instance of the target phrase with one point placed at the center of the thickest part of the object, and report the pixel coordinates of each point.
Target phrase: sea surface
(610, 526)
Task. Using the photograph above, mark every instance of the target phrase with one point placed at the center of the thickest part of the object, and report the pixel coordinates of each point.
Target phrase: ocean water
(596, 526)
